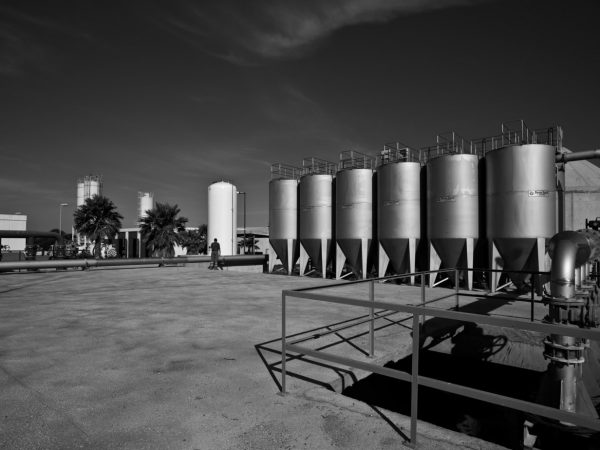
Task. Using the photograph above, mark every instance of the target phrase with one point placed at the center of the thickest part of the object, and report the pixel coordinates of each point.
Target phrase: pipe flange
(547, 298)
(564, 354)
(571, 313)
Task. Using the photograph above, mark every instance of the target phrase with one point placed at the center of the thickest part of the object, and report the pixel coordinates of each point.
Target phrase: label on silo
(539, 193)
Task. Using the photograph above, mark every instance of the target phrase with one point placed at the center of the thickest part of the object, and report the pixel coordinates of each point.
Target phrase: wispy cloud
(247, 32)
(25, 41)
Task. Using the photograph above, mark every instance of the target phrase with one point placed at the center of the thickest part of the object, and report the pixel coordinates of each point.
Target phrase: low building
(13, 222)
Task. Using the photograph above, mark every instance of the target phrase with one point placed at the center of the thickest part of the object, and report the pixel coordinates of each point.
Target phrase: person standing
(215, 252)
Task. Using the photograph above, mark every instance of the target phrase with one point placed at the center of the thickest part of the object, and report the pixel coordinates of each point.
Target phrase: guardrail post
(283, 354)
(372, 321)
(532, 293)
(414, 384)
(456, 281)
(422, 293)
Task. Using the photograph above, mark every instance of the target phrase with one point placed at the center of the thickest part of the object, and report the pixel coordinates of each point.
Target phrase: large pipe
(568, 250)
(563, 384)
(577, 156)
(227, 261)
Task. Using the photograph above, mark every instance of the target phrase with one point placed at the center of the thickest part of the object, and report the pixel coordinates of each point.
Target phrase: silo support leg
(324, 256)
(470, 250)
(412, 257)
(494, 265)
(383, 261)
(364, 246)
(340, 259)
(291, 256)
(541, 255)
(435, 263)
(303, 260)
(272, 258)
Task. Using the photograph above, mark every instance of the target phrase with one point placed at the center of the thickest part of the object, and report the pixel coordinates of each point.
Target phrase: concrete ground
(166, 358)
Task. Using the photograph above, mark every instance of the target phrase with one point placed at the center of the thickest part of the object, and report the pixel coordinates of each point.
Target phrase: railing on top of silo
(397, 152)
(517, 133)
(318, 166)
(351, 159)
(285, 171)
(449, 143)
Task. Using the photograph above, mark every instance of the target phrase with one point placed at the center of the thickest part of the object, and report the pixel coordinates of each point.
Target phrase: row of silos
(439, 188)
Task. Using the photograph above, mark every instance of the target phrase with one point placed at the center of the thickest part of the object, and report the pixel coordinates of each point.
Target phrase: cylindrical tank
(222, 216)
(521, 192)
(354, 214)
(452, 205)
(453, 197)
(283, 219)
(316, 203)
(398, 209)
(80, 198)
(87, 187)
(145, 203)
(316, 214)
(521, 202)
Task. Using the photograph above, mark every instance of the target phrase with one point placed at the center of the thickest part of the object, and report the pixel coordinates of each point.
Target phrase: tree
(97, 219)
(162, 229)
(45, 243)
(195, 240)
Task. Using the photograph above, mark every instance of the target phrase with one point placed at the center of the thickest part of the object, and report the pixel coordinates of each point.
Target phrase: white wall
(13, 222)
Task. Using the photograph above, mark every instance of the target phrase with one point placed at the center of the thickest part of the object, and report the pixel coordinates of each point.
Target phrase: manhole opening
(493, 423)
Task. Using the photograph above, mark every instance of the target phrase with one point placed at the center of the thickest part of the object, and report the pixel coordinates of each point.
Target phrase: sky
(170, 96)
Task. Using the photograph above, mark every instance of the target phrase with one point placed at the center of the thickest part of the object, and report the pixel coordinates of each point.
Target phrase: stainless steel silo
(283, 216)
(316, 214)
(452, 211)
(398, 209)
(521, 207)
(354, 213)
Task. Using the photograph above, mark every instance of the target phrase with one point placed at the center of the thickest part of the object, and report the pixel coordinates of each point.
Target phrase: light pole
(60, 207)
(244, 241)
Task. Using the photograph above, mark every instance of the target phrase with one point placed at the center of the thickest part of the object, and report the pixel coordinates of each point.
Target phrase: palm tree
(97, 219)
(162, 229)
(195, 240)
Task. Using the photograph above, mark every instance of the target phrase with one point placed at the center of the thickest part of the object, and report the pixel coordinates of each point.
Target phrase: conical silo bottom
(397, 251)
(517, 254)
(450, 251)
(314, 250)
(353, 253)
(280, 246)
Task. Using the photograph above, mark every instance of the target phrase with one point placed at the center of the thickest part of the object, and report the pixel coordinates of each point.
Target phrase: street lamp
(60, 207)
(244, 241)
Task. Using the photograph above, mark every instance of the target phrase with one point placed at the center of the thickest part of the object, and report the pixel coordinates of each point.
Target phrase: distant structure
(87, 187)
(145, 202)
(222, 216)
(13, 222)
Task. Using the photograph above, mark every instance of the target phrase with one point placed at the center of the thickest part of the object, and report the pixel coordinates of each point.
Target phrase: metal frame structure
(285, 171)
(398, 152)
(318, 166)
(351, 159)
(418, 312)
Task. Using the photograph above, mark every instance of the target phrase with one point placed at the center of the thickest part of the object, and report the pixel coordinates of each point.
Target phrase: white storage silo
(222, 216)
(87, 187)
(145, 202)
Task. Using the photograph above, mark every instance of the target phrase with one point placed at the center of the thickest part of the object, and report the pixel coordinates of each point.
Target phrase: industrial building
(13, 222)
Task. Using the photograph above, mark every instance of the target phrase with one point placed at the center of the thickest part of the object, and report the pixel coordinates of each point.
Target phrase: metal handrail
(419, 312)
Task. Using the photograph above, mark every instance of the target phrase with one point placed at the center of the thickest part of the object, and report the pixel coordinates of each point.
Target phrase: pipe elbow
(568, 250)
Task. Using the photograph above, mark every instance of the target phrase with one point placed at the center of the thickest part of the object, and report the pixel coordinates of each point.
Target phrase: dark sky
(170, 96)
